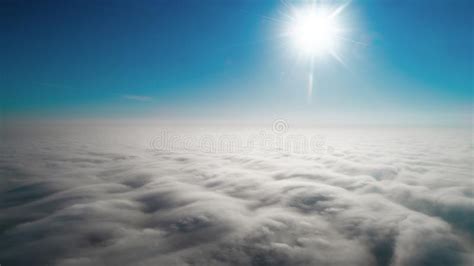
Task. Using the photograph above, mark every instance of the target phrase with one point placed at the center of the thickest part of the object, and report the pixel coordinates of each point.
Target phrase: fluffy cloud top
(104, 196)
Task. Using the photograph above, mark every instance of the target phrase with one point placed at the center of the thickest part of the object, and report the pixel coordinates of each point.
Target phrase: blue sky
(409, 60)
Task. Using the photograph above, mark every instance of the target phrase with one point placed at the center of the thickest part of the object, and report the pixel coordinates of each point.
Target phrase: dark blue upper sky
(409, 58)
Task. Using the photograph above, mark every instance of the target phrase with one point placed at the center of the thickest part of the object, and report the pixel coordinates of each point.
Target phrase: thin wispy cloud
(140, 98)
(55, 85)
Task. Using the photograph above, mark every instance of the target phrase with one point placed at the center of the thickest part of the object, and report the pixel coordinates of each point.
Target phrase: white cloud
(95, 196)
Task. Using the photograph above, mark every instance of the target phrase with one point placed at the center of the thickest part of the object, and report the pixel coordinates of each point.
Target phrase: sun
(315, 33)
(315, 30)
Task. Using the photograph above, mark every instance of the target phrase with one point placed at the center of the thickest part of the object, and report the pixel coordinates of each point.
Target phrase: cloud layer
(100, 196)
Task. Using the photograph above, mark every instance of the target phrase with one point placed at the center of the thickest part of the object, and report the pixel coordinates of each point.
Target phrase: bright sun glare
(315, 30)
